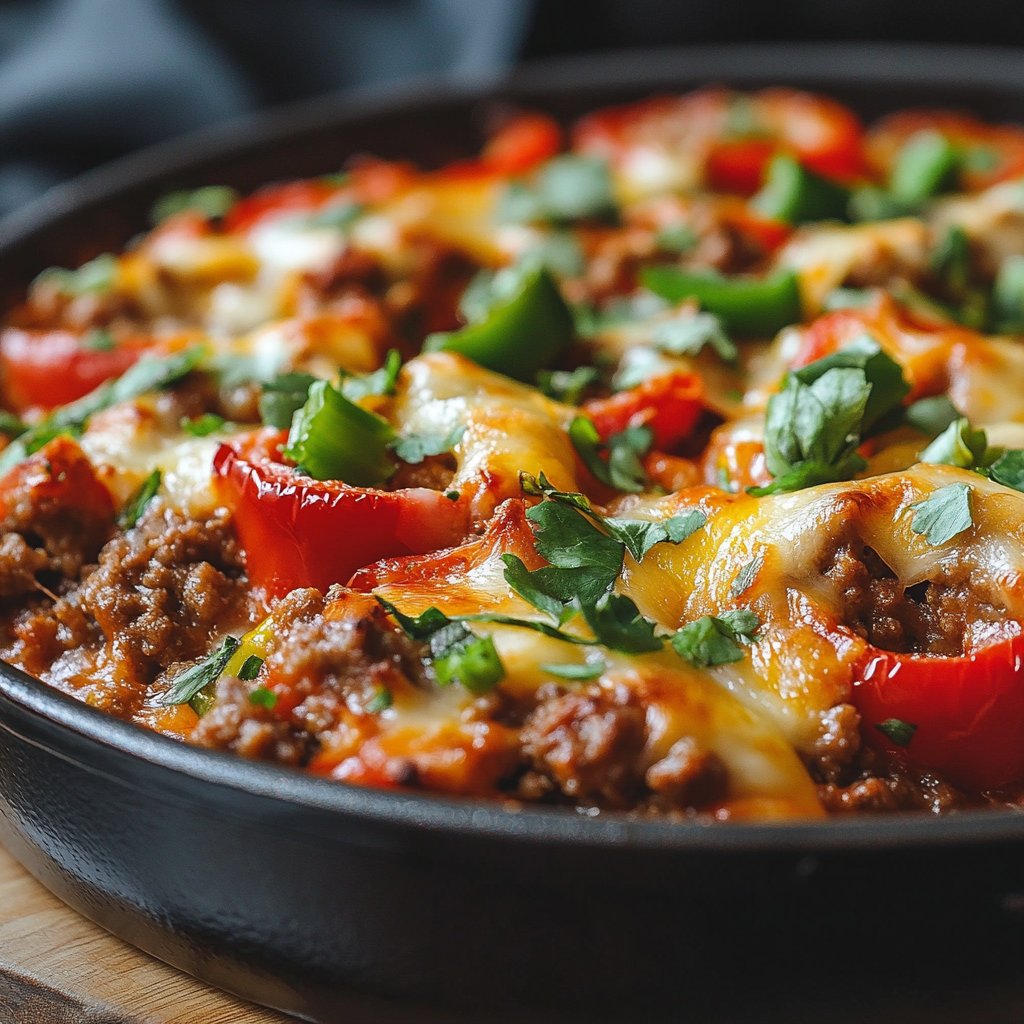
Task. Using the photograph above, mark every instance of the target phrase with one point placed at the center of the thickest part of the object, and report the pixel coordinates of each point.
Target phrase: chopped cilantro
(931, 415)
(460, 656)
(1008, 470)
(203, 426)
(263, 698)
(687, 335)
(381, 381)
(746, 576)
(815, 424)
(622, 470)
(452, 495)
(958, 445)
(188, 683)
(640, 536)
(414, 448)
(132, 511)
(944, 514)
(11, 425)
(618, 625)
(211, 201)
(381, 700)
(282, 397)
(565, 189)
(93, 278)
(568, 386)
(898, 731)
(677, 239)
(716, 641)
(99, 340)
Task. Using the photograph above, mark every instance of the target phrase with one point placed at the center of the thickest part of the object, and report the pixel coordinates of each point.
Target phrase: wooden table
(58, 968)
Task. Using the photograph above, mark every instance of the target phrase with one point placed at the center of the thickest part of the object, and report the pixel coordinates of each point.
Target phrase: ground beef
(885, 784)
(930, 618)
(162, 588)
(19, 565)
(590, 745)
(325, 667)
(61, 512)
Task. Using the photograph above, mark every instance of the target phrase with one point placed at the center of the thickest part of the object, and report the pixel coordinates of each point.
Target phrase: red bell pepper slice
(44, 369)
(670, 404)
(300, 532)
(968, 711)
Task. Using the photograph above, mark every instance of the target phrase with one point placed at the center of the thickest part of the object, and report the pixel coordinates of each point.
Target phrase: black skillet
(345, 904)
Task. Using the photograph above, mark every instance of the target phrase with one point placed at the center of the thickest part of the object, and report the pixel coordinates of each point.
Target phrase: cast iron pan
(346, 904)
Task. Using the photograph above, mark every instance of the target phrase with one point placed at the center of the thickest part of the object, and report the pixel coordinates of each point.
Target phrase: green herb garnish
(203, 426)
(944, 514)
(132, 511)
(714, 640)
(899, 732)
(188, 683)
(210, 201)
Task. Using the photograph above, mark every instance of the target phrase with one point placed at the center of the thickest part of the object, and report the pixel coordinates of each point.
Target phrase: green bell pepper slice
(793, 194)
(518, 335)
(750, 306)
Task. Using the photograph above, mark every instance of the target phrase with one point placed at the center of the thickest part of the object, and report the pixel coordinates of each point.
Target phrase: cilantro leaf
(931, 415)
(746, 576)
(261, 697)
(881, 371)
(687, 335)
(460, 656)
(188, 684)
(136, 505)
(381, 381)
(99, 340)
(203, 426)
(382, 699)
(419, 627)
(96, 277)
(944, 514)
(565, 189)
(1008, 470)
(622, 470)
(640, 536)
(958, 445)
(618, 625)
(898, 731)
(414, 448)
(568, 386)
(211, 201)
(536, 591)
(282, 397)
(712, 640)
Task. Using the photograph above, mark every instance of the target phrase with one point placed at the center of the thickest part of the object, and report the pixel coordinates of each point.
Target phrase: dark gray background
(82, 81)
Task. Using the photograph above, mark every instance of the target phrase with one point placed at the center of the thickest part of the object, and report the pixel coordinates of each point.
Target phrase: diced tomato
(291, 197)
(522, 143)
(737, 165)
(989, 153)
(300, 532)
(43, 369)
(669, 404)
(967, 712)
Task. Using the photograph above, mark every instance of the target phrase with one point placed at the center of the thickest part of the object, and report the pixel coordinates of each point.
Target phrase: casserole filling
(671, 465)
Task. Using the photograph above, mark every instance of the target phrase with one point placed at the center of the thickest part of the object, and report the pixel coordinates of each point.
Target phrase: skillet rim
(79, 725)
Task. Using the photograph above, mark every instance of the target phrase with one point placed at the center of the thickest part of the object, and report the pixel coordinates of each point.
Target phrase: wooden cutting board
(58, 968)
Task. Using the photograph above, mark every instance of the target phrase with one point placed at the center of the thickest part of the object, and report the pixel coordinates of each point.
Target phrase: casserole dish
(327, 901)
